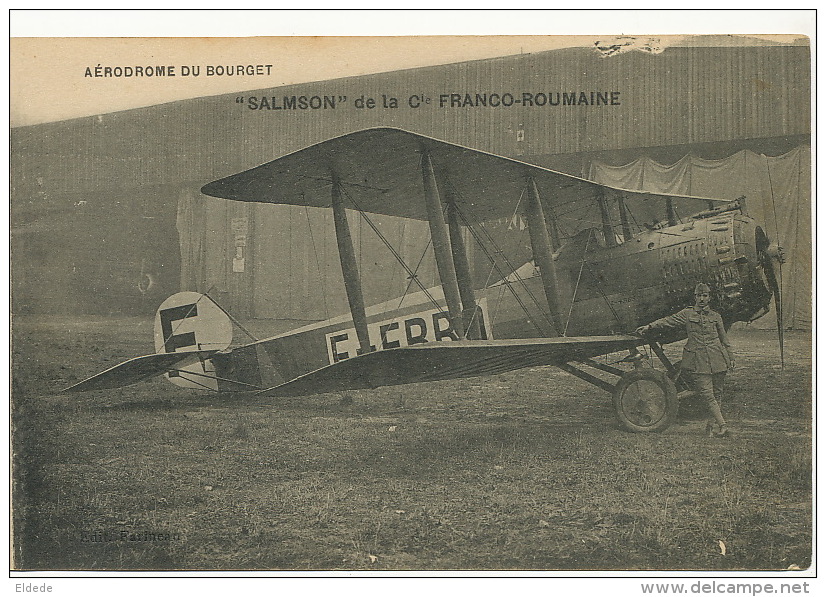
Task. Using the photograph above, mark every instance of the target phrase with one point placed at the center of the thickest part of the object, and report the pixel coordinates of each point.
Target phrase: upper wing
(447, 360)
(381, 169)
(136, 370)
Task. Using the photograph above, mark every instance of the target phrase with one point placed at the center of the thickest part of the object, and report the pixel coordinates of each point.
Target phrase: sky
(50, 51)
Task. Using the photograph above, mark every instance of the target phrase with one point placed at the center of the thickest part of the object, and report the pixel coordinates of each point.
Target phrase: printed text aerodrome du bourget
(492, 99)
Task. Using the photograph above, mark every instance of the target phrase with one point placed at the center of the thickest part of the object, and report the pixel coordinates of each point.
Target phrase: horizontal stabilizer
(137, 370)
(447, 360)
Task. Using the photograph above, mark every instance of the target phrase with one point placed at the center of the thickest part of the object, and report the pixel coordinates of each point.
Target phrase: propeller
(769, 254)
(774, 276)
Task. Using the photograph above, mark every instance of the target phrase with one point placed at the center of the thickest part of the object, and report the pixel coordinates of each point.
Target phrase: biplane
(629, 258)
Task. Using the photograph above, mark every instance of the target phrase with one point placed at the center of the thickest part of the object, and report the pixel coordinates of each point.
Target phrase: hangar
(107, 214)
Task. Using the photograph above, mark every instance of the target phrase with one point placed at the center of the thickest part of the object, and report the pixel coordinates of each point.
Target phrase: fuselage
(606, 290)
(602, 290)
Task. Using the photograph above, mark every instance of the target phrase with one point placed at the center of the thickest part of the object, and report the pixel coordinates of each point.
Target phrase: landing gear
(645, 400)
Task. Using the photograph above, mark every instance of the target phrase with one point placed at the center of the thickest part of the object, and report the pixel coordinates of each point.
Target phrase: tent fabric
(203, 233)
(292, 268)
(778, 196)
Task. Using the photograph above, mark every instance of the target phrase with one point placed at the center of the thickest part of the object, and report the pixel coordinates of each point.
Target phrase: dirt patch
(525, 470)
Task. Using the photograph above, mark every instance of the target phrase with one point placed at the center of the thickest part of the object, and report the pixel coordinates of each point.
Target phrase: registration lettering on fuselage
(432, 325)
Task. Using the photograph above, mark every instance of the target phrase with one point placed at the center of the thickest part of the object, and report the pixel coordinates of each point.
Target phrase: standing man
(707, 354)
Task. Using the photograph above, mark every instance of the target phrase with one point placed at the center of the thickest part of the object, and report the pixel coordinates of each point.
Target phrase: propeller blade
(778, 305)
(768, 266)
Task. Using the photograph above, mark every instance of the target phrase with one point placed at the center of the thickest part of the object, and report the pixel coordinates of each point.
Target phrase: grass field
(526, 470)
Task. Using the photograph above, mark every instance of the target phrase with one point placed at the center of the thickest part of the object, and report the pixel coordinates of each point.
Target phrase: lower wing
(447, 360)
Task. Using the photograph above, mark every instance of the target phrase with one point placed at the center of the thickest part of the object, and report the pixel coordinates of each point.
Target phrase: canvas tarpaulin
(778, 196)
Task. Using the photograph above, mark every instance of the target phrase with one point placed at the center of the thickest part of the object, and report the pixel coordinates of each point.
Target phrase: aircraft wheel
(645, 400)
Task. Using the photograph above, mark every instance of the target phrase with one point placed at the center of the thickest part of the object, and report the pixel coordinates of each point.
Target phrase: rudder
(190, 322)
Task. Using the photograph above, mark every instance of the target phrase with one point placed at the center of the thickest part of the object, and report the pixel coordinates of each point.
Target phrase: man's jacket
(708, 349)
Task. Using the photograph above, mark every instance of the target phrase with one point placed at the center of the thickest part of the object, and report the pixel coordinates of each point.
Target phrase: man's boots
(723, 430)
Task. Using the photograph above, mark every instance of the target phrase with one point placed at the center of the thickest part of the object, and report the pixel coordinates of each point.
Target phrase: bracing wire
(576, 287)
(317, 262)
(403, 228)
(607, 302)
(198, 383)
(519, 279)
(499, 296)
(414, 276)
(633, 217)
(393, 251)
(501, 293)
(184, 372)
(232, 318)
(505, 281)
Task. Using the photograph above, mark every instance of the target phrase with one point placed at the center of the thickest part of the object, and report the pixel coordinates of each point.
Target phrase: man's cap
(701, 289)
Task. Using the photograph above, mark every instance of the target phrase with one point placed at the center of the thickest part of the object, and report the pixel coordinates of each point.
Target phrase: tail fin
(192, 322)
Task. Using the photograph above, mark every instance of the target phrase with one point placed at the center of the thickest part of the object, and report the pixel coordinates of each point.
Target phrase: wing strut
(553, 227)
(671, 213)
(607, 227)
(441, 246)
(349, 269)
(542, 252)
(460, 262)
(626, 226)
